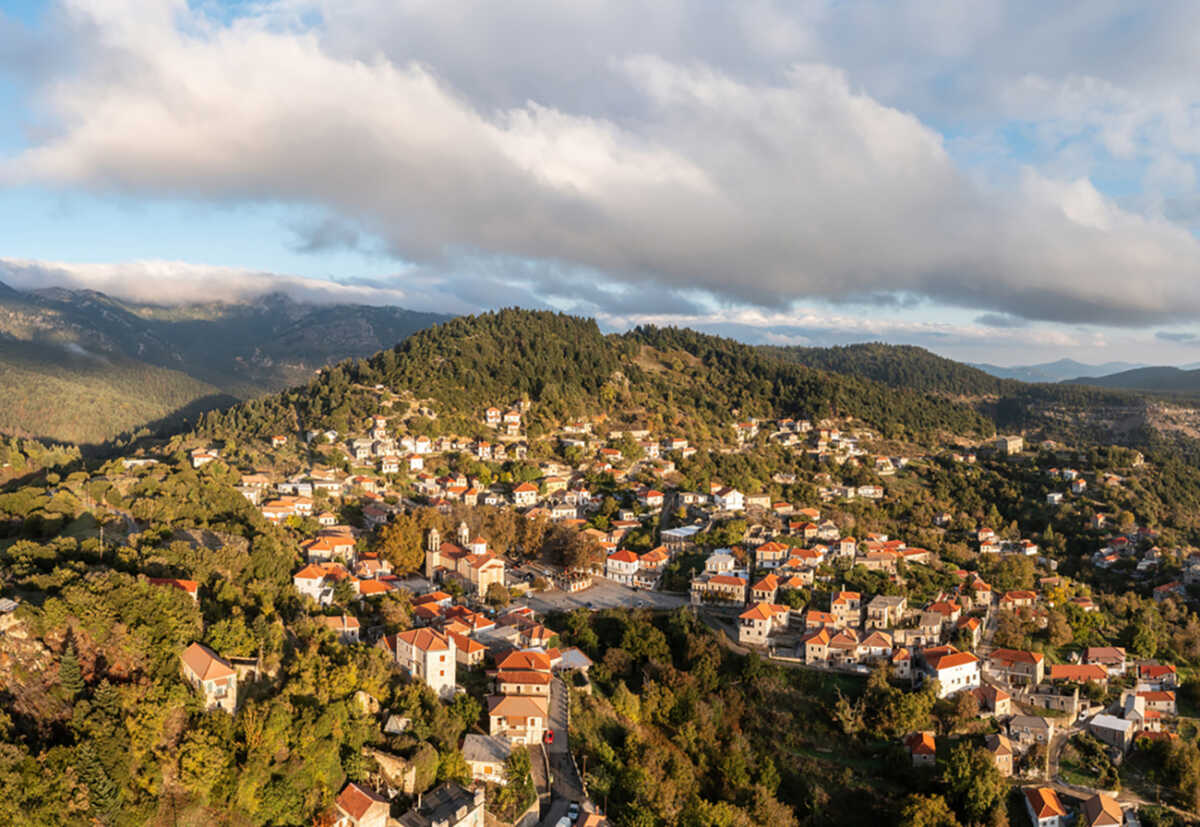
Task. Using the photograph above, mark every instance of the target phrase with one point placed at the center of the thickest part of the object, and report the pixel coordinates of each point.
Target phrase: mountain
(68, 395)
(904, 366)
(1054, 371)
(674, 380)
(1062, 411)
(1164, 379)
(119, 365)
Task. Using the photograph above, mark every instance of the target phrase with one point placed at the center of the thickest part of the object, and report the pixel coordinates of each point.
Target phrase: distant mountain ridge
(1058, 371)
(190, 357)
(1161, 379)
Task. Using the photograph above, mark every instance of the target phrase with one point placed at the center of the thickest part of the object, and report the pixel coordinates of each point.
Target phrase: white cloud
(179, 282)
(732, 175)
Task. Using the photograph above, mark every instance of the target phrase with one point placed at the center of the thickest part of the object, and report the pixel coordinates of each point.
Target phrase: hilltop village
(787, 579)
(426, 618)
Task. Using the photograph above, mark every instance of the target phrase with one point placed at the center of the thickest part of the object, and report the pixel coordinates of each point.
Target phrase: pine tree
(70, 676)
(104, 798)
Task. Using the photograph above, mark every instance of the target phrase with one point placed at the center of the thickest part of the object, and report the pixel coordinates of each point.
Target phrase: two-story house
(756, 624)
(428, 656)
(1016, 667)
(519, 719)
(885, 611)
(622, 567)
(214, 676)
(954, 670)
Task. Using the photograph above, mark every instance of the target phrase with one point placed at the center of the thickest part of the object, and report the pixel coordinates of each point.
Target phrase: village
(777, 587)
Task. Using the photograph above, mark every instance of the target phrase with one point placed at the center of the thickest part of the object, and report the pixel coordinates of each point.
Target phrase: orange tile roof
(466, 644)
(950, 660)
(1157, 697)
(768, 583)
(1044, 802)
(189, 586)
(1081, 672)
(921, 743)
(818, 636)
(656, 555)
(1016, 656)
(726, 580)
(356, 801)
(427, 640)
(537, 678)
(525, 660)
(206, 664)
(763, 611)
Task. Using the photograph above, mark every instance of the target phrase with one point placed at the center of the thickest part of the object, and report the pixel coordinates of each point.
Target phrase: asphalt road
(566, 785)
(603, 594)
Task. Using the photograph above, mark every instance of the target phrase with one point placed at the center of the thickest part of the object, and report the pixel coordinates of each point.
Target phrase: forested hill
(1060, 410)
(244, 348)
(57, 394)
(81, 366)
(564, 365)
(904, 366)
(1153, 380)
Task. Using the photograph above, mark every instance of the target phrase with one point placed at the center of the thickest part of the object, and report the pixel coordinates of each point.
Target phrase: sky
(1008, 182)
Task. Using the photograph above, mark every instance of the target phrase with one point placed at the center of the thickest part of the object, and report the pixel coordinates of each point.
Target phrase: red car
(548, 737)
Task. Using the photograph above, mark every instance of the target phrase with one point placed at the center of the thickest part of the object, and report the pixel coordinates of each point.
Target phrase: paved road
(604, 594)
(537, 771)
(566, 785)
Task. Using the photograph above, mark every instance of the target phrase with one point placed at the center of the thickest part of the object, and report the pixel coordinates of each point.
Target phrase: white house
(954, 670)
(756, 624)
(730, 499)
(1044, 808)
(525, 494)
(621, 567)
(428, 656)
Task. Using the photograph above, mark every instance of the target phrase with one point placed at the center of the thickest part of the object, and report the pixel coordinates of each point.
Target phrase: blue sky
(1009, 184)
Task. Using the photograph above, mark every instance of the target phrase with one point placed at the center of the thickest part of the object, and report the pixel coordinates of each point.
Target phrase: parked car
(573, 811)
(548, 737)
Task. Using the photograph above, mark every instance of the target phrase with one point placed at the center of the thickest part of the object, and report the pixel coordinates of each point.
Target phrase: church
(469, 561)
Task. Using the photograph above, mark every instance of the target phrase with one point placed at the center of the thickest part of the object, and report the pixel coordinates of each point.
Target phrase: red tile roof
(1044, 802)
(355, 801)
(206, 664)
(427, 640)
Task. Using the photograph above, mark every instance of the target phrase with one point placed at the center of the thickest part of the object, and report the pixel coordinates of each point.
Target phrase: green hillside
(53, 393)
(1060, 411)
(565, 366)
(900, 366)
(148, 362)
(1151, 380)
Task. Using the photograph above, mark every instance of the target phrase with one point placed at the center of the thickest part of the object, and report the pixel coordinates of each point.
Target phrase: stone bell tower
(433, 543)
